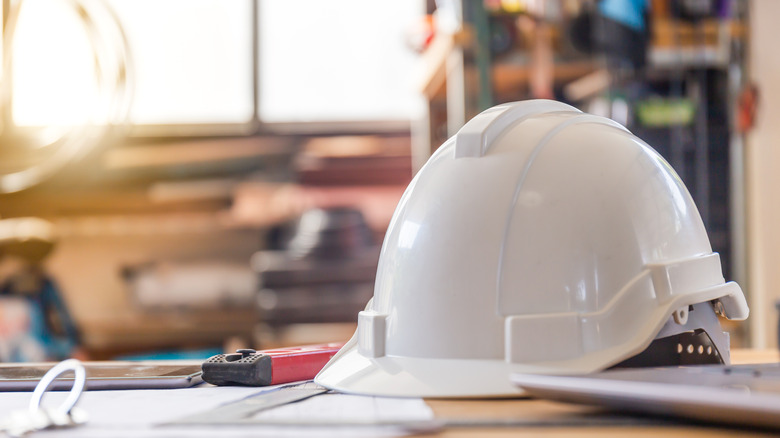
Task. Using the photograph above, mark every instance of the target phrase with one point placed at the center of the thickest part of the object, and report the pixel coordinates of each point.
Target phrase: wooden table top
(532, 417)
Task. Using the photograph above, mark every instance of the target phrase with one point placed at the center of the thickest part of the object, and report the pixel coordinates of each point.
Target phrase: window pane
(336, 60)
(192, 61)
(53, 81)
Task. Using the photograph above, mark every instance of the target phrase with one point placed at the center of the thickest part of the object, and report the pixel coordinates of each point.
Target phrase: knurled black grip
(229, 369)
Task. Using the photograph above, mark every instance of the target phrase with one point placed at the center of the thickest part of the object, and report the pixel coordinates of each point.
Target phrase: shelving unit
(700, 61)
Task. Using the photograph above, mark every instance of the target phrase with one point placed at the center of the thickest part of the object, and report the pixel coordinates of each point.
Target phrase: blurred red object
(747, 105)
(420, 34)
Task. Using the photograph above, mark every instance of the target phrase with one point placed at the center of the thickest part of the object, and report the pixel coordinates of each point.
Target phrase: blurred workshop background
(184, 177)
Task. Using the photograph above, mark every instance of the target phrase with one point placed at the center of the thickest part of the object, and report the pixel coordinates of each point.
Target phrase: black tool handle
(245, 367)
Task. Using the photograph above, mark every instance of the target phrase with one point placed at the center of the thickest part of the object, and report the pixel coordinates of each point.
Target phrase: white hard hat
(538, 239)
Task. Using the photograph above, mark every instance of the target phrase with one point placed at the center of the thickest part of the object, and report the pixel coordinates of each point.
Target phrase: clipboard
(104, 375)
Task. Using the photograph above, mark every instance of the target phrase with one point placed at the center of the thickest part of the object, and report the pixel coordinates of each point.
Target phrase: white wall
(763, 175)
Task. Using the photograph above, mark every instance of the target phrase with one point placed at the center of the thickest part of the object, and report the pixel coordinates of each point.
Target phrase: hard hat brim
(395, 376)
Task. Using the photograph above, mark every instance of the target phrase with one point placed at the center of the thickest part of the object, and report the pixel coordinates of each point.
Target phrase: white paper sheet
(138, 413)
(349, 409)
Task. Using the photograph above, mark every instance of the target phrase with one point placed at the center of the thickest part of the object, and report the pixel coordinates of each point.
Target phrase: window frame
(253, 127)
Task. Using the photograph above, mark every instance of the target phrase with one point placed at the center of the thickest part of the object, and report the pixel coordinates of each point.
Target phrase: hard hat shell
(538, 239)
